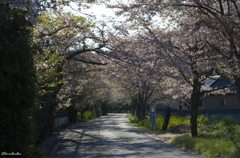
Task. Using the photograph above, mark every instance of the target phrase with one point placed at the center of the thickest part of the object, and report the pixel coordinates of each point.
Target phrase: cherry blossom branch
(89, 62)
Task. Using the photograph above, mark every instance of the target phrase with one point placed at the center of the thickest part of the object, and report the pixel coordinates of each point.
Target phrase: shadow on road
(84, 142)
(124, 140)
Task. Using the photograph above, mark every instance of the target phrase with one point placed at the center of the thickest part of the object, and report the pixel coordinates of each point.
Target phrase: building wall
(211, 102)
(202, 104)
(214, 102)
(177, 105)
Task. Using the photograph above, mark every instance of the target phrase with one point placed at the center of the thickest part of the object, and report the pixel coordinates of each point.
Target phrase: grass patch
(218, 139)
(215, 138)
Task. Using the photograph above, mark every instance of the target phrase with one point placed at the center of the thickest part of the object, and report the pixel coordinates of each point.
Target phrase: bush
(227, 120)
(146, 122)
(159, 123)
(213, 119)
(144, 125)
(139, 124)
(237, 121)
(178, 120)
(202, 120)
(133, 119)
(87, 116)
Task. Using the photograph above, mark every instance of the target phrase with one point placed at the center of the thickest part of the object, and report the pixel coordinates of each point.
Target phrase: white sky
(99, 10)
(102, 13)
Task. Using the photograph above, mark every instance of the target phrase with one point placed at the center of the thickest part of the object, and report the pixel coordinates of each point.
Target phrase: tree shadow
(84, 142)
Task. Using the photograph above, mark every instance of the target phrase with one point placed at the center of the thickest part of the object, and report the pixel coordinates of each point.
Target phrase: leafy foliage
(174, 120)
(133, 119)
(87, 116)
(178, 120)
(18, 131)
(227, 120)
(202, 120)
(144, 125)
(146, 122)
(159, 123)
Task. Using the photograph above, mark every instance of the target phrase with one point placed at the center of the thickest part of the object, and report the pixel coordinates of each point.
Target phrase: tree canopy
(51, 58)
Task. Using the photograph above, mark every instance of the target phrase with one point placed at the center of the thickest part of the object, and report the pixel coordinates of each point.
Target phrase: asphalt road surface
(84, 142)
(113, 136)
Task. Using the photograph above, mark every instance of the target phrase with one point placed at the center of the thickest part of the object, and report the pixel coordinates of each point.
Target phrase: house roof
(219, 82)
(209, 81)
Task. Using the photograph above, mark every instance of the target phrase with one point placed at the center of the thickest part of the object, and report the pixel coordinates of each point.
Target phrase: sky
(99, 10)
(102, 13)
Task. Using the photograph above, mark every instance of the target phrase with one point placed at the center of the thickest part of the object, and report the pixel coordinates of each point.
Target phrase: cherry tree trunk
(138, 112)
(133, 106)
(139, 106)
(166, 119)
(143, 109)
(133, 110)
(194, 104)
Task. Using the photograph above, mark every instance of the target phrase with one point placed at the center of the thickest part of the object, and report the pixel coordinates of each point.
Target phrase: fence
(235, 113)
(61, 121)
(61, 118)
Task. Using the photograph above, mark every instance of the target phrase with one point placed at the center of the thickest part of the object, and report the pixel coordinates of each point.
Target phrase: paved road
(84, 142)
(113, 136)
(124, 140)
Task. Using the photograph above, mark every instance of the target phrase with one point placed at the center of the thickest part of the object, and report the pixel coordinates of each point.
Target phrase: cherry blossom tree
(141, 69)
(63, 39)
(185, 43)
(222, 20)
(216, 23)
(193, 60)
